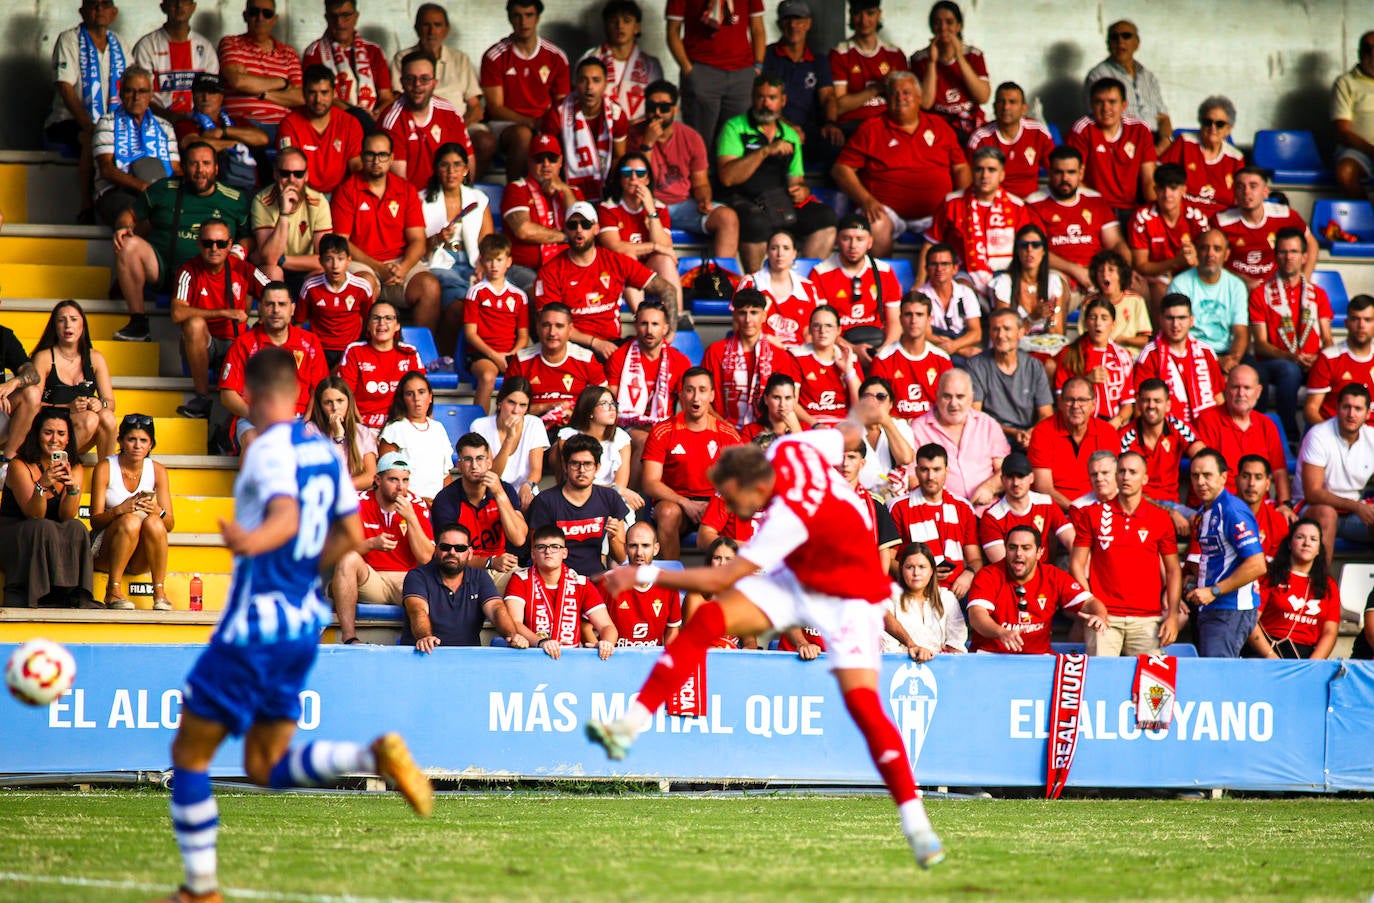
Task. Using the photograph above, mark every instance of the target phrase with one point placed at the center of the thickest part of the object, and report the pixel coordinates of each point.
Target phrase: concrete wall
(1275, 58)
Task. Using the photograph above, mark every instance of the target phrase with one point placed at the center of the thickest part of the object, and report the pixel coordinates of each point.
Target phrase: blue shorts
(238, 685)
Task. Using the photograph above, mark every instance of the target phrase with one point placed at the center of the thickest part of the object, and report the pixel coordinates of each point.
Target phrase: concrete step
(124, 358)
(65, 625)
(30, 323)
(55, 251)
(48, 281)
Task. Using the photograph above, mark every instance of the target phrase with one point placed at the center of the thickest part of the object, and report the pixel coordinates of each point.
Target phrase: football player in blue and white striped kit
(1229, 558)
(295, 514)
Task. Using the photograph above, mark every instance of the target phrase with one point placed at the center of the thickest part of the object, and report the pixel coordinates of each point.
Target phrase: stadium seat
(1055, 133)
(804, 265)
(689, 343)
(423, 341)
(1357, 579)
(1292, 155)
(905, 272)
(457, 418)
(1334, 286)
(1290, 462)
(369, 612)
(1355, 217)
(834, 199)
(494, 193)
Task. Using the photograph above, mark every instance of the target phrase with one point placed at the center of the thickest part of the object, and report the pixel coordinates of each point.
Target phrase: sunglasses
(292, 173)
(545, 158)
(136, 421)
(578, 222)
(218, 244)
(652, 106)
(1121, 35)
(876, 396)
(1214, 124)
(1021, 602)
(258, 12)
(1036, 245)
(460, 548)
(638, 171)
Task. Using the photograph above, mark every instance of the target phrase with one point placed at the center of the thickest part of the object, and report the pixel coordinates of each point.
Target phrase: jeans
(1222, 632)
(1285, 378)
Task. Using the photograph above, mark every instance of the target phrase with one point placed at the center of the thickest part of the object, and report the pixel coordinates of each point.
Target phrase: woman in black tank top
(76, 379)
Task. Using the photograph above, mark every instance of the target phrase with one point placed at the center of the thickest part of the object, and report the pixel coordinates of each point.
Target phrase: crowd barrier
(966, 720)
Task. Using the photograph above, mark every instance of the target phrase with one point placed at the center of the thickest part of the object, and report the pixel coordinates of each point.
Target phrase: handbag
(777, 205)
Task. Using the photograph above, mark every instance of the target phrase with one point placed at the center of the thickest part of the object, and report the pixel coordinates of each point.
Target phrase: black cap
(1016, 465)
(854, 221)
(207, 82)
(858, 6)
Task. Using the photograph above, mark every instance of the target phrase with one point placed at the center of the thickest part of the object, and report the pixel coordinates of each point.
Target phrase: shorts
(1350, 528)
(901, 226)
(852, 628)
(684, 215)
(1363, 160)
(454, 281)
(394, 295)
(756, 224)
(498, 127)
(381, 587)
(1127, 635)
(237, 686)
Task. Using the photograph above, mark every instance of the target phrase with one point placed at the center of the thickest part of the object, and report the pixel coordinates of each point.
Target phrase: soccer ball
(40, 671)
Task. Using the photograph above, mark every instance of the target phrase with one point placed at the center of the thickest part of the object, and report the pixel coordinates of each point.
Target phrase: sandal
(160, 600)
(115, 600)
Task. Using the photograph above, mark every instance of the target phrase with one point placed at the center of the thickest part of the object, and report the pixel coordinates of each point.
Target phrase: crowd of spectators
(335, 188)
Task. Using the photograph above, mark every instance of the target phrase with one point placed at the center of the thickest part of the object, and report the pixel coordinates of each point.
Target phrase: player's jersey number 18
(317, 500)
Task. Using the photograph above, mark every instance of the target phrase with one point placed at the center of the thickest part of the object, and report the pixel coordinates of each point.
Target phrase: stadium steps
(54, 280)
(67, 625)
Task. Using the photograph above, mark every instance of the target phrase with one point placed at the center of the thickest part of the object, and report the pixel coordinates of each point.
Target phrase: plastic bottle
(197, 593)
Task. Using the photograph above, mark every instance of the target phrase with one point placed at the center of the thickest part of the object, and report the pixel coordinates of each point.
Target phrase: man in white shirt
(1334, 466)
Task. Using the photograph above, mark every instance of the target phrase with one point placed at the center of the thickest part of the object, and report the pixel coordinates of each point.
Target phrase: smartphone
(59, 457)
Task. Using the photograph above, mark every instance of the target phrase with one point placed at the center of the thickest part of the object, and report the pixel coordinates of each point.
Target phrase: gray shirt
(1011, 400)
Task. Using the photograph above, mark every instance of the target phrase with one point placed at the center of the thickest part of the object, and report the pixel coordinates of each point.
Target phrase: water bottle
(197, 593)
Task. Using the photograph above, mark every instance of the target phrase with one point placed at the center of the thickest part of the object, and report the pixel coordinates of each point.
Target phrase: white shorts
(852, 628)
(1361, 159)
(901, 226)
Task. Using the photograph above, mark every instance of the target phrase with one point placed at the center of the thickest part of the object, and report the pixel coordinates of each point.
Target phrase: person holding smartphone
(131, 513)
(45, 549)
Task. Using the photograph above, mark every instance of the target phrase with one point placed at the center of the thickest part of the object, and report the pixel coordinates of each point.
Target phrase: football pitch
(117, 846)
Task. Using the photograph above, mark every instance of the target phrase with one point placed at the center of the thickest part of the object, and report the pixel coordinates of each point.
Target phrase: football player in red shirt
(645, 615)
(1025, 143)
(811, 564)
(1079, 223)
(1118, 149)
(1351, 361)
(677, 456)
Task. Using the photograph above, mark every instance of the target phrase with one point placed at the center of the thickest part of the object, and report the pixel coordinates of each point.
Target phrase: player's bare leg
(732, 614)
(859, 686)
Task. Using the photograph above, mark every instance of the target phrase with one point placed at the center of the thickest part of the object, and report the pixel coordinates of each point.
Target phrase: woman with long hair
(633, 223)
(76, 378)
(369, 365)
(45, 549)
(791, 296)
(777, 411)
(1112, 276)
(335, 415)
(457, 218)
(922, 618)
(1030, 287)
(517, 438)
(1104, 363)
(131, 513)
(953, 75)
(1300, 607)
(420, 438)
(594, 414)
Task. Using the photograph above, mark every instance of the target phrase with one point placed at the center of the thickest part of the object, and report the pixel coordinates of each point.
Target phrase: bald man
(974, 440)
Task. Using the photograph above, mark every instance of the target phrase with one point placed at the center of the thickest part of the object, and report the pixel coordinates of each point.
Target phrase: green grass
(648, 847)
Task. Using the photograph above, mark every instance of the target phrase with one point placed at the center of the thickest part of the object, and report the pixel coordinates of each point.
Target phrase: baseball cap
(854, 221)
(583, 209)
(793, 9)
(207, 82)
(393, 461)
(857, 6)
(545, 143)
(1016, 465)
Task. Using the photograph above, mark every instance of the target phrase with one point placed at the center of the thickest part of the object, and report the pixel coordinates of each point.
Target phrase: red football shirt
(498, 316)
(913, 379)
(787, 316)
(377, 225)
(1124, 572)
(1119, 388)
(1026, 155)
(530, 86)
(1289, 612)
(563, 381)
(1162, 462)
(414, 143)
(720, 518)
(1113, 164)
(201, 289)
(1280, 307)
(1336, 368)
(1077, 230)
(856, 70)
(911, 172)
(344, 80)
(326, 153)
(1209, 183)
(951, 99)
(1051, 448)
(687, 455)
(958, 224)
(630, 225)
(727, 44)
(823, 390)
(586, 166)
(641, 617)
(1194, 377)
(1217, 429)
(1149, 230)
(877, 291)
(735, 390)
(559, 612)
(1252, 247)
(1042, 514)
(336, 316)
(377, 522)
(592, 291)
(373, 376)
(945, 527)
(1048, 590)
(524, 195)
(304, 347)
(1273, 530)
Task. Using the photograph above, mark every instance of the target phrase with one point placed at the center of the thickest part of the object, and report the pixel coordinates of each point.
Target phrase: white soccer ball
(40, 671)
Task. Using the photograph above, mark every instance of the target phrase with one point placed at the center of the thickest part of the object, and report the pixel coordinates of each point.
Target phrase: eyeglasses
(452, 547)
(382, 318)
(608, 403)
(1214, 123)
(659, 106)
(218, 244)
(638, 172)
(340, 17)
(259, 12)
(375, 155)
(582, 465)
(1076, 400)
(420, 80)
(549, 547)
(469, 459)
(578, 223)
(136, 421)
(1120, 35)
(875, 396)
(292, 173)
(1032, 245)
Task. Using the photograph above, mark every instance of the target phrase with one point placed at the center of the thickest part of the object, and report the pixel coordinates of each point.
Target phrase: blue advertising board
(966, 719)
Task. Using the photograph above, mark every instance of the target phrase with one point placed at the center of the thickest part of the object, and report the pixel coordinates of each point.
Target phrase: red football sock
(884, 743)
(683, 655)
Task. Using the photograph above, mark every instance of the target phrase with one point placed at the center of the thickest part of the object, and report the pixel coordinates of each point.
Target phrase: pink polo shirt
(970, 459)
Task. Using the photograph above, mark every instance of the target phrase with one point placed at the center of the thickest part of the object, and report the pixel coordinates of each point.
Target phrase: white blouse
(925, 627)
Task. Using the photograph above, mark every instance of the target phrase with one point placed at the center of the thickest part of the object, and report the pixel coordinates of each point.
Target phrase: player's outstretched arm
(709, 581)
(279, 527)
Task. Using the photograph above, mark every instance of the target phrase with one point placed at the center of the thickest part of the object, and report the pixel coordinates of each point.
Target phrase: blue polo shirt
(455, 616)
(1227, 534)
(802, 81)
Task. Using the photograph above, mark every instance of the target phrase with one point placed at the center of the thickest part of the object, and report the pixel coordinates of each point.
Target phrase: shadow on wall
(1061, 94)
(1307, 106)
(22, 126)
(574, 37)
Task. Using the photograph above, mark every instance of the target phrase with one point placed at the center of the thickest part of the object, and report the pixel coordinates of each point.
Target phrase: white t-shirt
(533, 436)
(170, 83)
(66, 67)
(951, 321)
(1348, 467)
(878, 459)
(925, 627)
(610, 454)
(428, 451)
(103, 142)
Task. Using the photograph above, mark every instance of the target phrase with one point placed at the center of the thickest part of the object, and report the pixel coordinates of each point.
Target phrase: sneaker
(612, 736)
(184, 895)
(198, 408)
(162, 604)
(927, 849)
(395, 764)
(136, 330)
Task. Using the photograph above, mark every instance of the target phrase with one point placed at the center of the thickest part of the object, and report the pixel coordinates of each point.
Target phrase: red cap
(545, 143)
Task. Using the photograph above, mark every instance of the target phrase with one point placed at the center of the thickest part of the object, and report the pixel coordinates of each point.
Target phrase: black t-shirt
(887, 527)
(1362, 648)
(584, 527)
(12, 355)
(455, 617)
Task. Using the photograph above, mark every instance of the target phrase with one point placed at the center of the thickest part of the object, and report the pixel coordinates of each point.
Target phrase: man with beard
(1077, 221)
(331, 139)
(446, 601)
(533, 210)
(421, 122)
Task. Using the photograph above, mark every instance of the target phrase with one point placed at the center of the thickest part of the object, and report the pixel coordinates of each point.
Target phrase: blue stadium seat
(689, 343)
(1290, 462)
(457, 418)
(904, 271)
(1292, 155)
(423, 341)
(1055, 133)
(911, 239)
(1334, 286)
(804, 265)
(369, 612)
(494, 193)
(834, 199)
(1355, 217)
